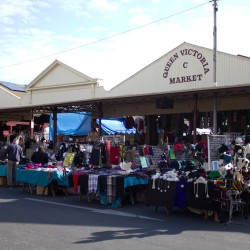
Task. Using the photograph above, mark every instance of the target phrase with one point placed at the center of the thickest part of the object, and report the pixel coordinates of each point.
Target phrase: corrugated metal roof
(12, 86)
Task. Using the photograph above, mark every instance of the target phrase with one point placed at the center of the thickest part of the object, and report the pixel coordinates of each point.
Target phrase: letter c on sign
(185, 65)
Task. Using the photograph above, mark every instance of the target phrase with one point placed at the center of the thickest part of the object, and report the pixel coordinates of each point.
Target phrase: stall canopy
(81, 124)
(71, 124)
(115, 126)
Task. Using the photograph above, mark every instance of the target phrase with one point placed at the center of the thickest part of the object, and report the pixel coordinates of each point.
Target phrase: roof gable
(187, 67)
(59, 74)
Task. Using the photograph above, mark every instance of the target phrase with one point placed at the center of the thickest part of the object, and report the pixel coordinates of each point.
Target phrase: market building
(175, 95)
(174, 92)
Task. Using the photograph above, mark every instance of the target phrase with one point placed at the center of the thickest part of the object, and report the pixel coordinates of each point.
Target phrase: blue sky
(94, 34)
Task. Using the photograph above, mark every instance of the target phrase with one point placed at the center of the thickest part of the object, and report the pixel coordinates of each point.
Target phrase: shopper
(14, 153)
(27, 145)
(40, 156)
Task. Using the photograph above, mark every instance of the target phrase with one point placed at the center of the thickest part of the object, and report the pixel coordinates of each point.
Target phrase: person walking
(15, 153)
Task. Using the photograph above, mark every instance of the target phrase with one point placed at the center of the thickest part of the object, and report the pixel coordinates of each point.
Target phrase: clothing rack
(229, 203)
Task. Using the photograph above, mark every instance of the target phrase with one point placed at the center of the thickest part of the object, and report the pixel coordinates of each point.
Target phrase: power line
(105, 38)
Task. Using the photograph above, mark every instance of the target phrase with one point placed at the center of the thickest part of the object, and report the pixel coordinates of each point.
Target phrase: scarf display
(92, 183)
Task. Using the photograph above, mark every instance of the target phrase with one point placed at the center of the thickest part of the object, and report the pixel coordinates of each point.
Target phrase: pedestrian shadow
(122, 234)
(173, 226)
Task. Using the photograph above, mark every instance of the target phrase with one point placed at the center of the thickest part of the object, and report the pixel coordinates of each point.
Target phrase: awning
(71, 124)
(115, 126)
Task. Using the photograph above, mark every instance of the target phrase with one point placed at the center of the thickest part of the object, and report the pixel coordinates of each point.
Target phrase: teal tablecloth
(134, 181)
(41, 178)
(128, 182)
(3, 170)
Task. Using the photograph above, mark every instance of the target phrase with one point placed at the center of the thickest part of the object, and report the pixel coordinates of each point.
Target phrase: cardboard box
(3, 181)
(39, 190)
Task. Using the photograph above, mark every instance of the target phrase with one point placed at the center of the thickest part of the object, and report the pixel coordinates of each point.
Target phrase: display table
(200, 198)
(129, 182)
(161, 193)
(121, 185)
(42, 177)
(3, 174)
(3, 170)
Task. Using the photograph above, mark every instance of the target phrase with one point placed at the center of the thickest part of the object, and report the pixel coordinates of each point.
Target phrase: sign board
(68, 160)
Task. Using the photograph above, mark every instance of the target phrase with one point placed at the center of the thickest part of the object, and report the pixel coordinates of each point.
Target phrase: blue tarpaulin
(81, 124)
(71, 124)
(115, 126)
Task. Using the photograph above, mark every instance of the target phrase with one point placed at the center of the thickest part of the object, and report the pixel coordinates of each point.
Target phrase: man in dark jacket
(15, 153)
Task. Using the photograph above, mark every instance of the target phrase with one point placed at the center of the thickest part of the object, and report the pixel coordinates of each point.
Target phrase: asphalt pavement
(34, 222)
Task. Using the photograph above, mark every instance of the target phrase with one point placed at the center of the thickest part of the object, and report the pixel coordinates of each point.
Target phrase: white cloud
(85, 8)
(25, 10)
(135, 10)
(104, 5)
(126, 1)
(141, 19)
(98, 28)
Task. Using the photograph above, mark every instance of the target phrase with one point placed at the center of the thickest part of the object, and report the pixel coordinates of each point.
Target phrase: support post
(54, 129)
(195, 116)
(100, 116)
(32, 127)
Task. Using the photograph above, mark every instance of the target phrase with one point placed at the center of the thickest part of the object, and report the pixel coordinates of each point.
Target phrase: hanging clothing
(115, 155)
(130, 122)
(95, 156)
(111, 188)
(92, 183)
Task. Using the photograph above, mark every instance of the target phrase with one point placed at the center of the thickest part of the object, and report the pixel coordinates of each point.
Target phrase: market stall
(217, 192)
(42, 178)
(3, 170)
(110, 186)
(111, 171)
(161, 192)
(3, 174)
